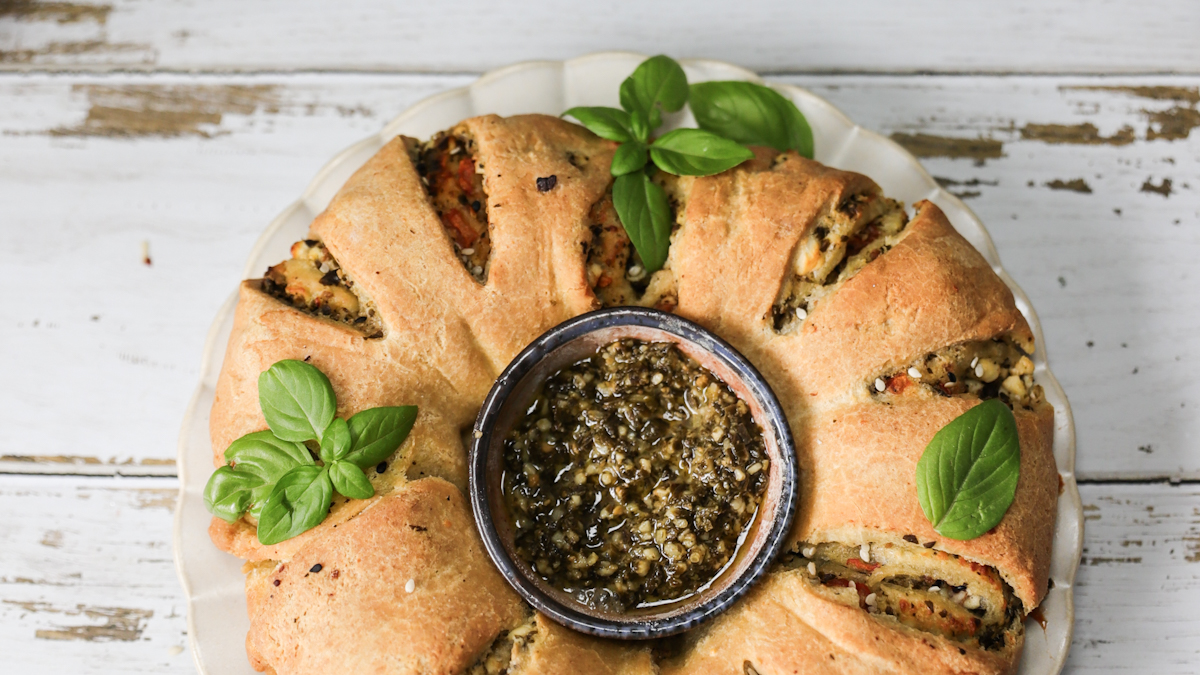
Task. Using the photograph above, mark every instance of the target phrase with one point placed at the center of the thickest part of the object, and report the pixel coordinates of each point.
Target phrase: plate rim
(1064, 419)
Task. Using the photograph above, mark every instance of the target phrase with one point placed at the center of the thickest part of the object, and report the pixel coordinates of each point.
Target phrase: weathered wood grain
(1088, 185)
(1138, 588)
(112, 342)
(87, 583)
(87, 580)
(869, 35)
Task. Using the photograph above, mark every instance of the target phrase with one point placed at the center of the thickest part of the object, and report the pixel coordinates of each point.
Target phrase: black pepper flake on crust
(911, 538)
(547, 183)
(315, 568)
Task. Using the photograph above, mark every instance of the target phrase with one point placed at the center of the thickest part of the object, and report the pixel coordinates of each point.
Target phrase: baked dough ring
(447, 337)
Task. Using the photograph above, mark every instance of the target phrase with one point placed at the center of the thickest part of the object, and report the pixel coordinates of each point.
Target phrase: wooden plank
(193, 169)
(87, 583)
(1139, 581)
(93, 166)
(867, 36)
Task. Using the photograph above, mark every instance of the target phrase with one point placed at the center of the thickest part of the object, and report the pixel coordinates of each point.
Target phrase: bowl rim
(650, 626)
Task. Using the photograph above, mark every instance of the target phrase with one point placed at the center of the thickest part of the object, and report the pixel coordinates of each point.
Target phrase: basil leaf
(336, 441)
(297, 400)
(298, 503)
(227, 493)
(967, 476)
(610, 123)
(694, 152)
(264, 455)
(258, 499)
(640, 125)
(350, 480)
(751, 113)
(377, 432)
(628, 158)
(644, 211)
(658, 80)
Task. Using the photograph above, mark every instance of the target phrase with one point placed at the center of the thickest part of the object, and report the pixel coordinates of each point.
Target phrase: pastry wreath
(437, 263)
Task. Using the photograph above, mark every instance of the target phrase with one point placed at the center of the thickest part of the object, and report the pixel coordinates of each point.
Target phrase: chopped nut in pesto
(633, 476)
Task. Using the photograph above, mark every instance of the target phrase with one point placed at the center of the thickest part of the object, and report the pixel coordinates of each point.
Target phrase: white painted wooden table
(176, 130)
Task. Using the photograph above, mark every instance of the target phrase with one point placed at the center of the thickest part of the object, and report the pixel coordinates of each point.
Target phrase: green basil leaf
(264, 455)
(611, 123)
(258, 499)
(628, 158)
(350, 480)
(336, 441)
(227, 493)
(657, 81)
(377, 432)
(640, 125)
(967, 476)
(297, 400)
(299, 502)
(644, 211)
(751, 113)
(695, 152)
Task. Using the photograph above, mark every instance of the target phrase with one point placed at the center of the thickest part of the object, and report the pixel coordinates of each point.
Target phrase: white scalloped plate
(213, 581)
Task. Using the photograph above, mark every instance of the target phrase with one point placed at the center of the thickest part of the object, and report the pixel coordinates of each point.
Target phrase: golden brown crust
(557, 650)
(860, 485)
(741, 228)
(447, 336)
(931, 290)
(783, 627)
(359, 613)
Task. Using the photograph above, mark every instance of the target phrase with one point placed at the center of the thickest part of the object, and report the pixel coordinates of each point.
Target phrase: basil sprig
(730, 114)
(967, 476)
(273, 475)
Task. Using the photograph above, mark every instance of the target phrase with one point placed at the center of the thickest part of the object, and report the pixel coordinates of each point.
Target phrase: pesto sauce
(633, 476)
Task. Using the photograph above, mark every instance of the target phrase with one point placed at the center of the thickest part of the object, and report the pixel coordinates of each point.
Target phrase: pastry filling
(998, 368)
(506, 651)
(633, 476)
(454, 180)
(614, 270)
(313, 281)
(841, 243)
(931, 591)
